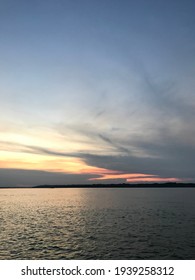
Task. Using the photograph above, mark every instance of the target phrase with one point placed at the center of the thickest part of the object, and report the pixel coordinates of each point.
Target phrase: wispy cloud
(126, 167)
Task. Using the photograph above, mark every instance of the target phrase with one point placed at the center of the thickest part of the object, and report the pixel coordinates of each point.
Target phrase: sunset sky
(97, 91)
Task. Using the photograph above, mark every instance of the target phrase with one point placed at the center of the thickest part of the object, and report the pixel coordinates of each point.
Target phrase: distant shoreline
(113, 186)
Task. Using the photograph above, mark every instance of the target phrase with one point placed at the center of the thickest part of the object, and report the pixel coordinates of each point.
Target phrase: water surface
(97, 223)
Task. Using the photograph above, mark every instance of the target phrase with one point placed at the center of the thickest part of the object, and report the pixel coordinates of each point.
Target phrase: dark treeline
(124, 185)
(120, 185)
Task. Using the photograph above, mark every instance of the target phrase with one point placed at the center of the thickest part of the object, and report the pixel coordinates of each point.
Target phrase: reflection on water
(97, 224)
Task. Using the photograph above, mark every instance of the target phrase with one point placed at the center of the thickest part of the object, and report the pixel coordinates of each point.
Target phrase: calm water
(97, 224)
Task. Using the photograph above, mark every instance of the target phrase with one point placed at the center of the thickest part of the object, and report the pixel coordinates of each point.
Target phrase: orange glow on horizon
(136, 178)
(153, 179)
(15, 159)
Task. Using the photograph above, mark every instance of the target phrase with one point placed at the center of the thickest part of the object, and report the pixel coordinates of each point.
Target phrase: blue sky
(97, 90)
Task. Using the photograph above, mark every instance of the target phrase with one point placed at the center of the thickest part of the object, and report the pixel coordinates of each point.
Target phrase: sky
(96, 91)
